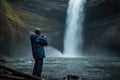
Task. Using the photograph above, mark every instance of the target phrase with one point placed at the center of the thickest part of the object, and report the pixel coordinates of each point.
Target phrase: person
(38, 41)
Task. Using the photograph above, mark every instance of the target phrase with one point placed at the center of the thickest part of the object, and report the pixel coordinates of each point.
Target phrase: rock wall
(101, 26)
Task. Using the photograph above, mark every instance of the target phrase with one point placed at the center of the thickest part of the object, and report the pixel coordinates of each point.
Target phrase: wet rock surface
(84, 68)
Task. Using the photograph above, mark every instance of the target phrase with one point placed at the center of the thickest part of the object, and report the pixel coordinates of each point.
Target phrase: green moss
(14, 14)
(10, 13)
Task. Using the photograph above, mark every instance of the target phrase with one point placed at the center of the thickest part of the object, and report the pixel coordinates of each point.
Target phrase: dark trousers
(38, 67)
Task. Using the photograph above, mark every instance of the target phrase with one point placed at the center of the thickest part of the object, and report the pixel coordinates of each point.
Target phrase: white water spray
(73, 35)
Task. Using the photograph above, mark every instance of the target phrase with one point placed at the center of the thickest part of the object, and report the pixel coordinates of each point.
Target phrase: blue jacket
(38, 42)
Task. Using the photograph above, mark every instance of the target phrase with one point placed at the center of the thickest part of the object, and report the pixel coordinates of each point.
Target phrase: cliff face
(52, 9)
(101, 31)
(11, 26)
(101, 26)
(17, 19)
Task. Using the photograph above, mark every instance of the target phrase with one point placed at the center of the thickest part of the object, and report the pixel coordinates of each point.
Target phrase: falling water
(73, 35)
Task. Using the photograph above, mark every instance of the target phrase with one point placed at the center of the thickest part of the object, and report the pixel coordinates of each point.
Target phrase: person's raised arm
(42, 40)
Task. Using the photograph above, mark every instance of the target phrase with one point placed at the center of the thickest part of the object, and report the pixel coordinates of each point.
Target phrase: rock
(71, 77)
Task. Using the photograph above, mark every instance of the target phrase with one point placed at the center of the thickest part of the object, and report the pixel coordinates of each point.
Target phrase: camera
(43, 36)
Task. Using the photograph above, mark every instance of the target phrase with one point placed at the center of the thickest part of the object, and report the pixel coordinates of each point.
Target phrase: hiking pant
(38, 67)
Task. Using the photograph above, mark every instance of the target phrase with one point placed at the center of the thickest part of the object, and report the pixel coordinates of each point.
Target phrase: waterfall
(73, 36)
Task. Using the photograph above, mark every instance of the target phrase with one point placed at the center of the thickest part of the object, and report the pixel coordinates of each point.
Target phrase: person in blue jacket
(38, 42)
